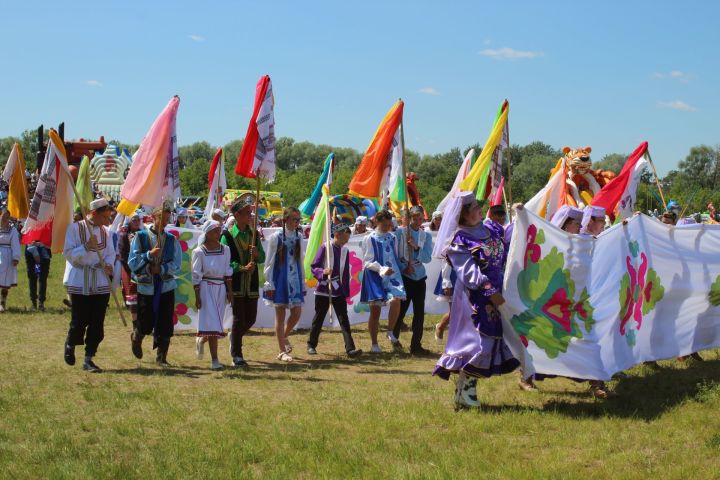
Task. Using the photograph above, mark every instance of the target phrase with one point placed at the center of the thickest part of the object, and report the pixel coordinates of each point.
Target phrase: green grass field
(379, 416)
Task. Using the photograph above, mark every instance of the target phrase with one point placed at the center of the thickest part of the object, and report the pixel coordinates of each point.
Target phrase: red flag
(213, 167)
(612, 192)
(246, 159)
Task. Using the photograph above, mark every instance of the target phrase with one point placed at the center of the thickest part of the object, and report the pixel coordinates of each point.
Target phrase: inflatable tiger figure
(582, 181)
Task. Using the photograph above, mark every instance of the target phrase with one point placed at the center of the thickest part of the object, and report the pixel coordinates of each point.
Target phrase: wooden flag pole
(408, 255)
(328, 223)
(107, 276)
(257, 211)
(657, 180)
(509, 160)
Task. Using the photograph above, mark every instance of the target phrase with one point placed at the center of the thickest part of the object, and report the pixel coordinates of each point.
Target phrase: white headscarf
(565, 212)
(589, 212)
(450, 221)
(208, 226)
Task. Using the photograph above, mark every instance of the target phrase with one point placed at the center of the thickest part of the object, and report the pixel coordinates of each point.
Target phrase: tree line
(695, 181)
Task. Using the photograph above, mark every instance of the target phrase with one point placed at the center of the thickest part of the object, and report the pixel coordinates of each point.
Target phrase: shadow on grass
(190, 372)
(38, 313)
(645, 397)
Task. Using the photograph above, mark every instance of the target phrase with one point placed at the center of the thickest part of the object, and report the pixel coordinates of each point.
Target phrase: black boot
(89, 366)
(136, 339)
(69, 354)
(163, 344)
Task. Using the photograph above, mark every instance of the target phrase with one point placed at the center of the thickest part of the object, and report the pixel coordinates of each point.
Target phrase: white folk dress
(9, 251)
(210, 268)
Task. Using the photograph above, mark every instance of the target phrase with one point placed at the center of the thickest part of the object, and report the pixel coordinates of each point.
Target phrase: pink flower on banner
(640, 290)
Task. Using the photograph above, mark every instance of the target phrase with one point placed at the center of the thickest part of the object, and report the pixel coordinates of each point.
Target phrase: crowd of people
(104, 251)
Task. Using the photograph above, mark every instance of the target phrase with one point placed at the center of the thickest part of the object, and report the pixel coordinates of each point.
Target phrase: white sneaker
(284, 357)
(199, 348)
(375, 348)
(391, 336)
(216, 365)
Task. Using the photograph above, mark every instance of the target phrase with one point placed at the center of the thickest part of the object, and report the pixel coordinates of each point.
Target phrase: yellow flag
(14, 175)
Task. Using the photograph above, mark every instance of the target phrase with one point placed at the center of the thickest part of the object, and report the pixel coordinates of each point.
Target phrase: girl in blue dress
(381, 282)
(284, 286)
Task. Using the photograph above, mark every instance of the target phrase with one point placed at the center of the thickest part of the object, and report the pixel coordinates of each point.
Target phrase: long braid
(281, 247)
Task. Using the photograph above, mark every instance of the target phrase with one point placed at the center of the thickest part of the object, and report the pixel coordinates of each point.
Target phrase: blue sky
(603, 74)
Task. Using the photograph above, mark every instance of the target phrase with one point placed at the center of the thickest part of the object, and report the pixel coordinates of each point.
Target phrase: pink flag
(498, 199)
(155, 174)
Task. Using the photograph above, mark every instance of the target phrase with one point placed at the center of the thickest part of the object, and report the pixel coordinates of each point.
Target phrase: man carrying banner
(414, 249)
(155, 258)
(86, 283)
(244, 259)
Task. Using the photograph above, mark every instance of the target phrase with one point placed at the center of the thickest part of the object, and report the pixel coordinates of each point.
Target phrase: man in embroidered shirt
(244, 260)
(414, 250)
(155, 258)
(90, 254)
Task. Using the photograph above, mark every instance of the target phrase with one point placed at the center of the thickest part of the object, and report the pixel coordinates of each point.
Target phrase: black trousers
(322, 305)
(415, 291)
(34, 278)
(87, 321)
(161, 325)
(244, 316)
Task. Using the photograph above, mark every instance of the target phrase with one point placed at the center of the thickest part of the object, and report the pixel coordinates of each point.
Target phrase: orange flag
(370, 173)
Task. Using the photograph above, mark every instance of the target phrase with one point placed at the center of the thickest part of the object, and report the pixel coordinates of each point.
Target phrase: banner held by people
(589, 308)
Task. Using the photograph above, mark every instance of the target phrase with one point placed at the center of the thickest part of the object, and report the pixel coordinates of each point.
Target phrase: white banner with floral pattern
(186, 317)
(588, 308)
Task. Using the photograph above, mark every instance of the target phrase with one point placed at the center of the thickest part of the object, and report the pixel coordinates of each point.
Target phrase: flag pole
(327, 249)
(107, 277)
(255, 220)
(509, 160)
(407, 196)
(257, 211)
(657, 180)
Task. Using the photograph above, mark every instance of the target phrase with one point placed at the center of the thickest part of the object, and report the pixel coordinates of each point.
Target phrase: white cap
(219, 213)
(98, 203)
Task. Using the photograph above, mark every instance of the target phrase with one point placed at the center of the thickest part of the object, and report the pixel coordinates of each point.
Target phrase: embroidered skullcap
(340, 227)
(98, 203)
(361, 220)
(241, 203)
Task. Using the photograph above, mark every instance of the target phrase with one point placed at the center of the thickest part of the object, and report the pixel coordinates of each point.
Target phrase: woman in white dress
(211, 277)
(9, 255)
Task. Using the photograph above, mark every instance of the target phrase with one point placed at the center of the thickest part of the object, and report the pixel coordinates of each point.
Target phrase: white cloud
(674, 75)
(677, 105)
(196, 38)
(507, 53)
(487, 41)
(429, 91)
(93, 83)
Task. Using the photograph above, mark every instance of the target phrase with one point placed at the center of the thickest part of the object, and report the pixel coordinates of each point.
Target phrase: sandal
(284, 357)
(288, 347)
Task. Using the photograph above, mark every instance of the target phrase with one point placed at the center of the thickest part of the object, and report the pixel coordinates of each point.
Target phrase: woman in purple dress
(475, 346)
